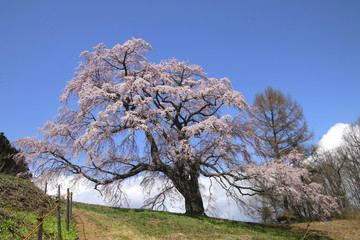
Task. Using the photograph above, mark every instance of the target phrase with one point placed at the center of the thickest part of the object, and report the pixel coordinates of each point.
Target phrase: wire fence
(68, 216)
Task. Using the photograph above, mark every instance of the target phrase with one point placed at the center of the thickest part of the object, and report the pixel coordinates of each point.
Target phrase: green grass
(17, 225)
(21, 202)
(162, 225)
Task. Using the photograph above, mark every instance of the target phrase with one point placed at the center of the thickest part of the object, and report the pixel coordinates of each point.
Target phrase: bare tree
(339, 169)
(328, 168)
(351, 152)
(281, 123)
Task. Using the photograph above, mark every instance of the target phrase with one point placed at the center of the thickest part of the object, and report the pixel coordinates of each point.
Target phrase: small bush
(286, 218)
(266, 214)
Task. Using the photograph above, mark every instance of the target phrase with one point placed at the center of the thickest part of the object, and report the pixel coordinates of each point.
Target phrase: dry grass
(22, 195)
(100, 222)
(20, 203)
(94, 226)
(336, 229)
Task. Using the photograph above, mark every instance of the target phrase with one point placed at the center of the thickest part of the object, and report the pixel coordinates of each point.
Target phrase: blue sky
(309, 49)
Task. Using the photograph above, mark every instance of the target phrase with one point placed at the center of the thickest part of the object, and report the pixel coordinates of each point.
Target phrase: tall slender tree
(282, 127)
(281, 123)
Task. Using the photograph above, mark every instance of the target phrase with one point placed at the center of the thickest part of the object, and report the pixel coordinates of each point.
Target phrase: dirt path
(95, 226)
(85, 227)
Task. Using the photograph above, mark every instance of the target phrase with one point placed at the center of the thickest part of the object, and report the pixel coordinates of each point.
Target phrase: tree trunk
(193, 202)
(190, 190)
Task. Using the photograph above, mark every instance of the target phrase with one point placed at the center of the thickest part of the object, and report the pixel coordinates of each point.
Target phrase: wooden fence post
(40, 231)
(58, 216)
(67, 210)
(71, 194)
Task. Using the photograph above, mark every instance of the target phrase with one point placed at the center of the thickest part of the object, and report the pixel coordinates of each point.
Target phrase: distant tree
(282, 127)
(266, 214)
(339, 169)
(288, 178)
(10, 162)
(328, 168)
(351, 152)
(281, 123)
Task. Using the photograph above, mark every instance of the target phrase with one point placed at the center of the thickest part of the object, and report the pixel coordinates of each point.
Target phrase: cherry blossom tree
(123, 116)
(288, 176)
(117, 99)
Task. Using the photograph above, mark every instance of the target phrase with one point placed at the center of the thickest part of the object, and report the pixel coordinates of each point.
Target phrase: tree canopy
(175, 106)
(339, 169)
(10, 162)
(124, 116)
(281, 123)
(282, 127)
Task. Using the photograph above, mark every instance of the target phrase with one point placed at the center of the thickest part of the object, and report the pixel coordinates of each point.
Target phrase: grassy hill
(100, 222)
(21, 202)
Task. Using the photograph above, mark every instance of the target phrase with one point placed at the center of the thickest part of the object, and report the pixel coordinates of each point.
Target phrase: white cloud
(333, 138)
(83, 191)
(330, 140)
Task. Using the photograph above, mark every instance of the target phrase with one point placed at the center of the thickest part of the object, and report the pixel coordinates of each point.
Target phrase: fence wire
(43, 218)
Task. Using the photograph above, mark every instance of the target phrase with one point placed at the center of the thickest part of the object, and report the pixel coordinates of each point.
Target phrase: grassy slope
(338, 229)
(117, 223)
(20, 203)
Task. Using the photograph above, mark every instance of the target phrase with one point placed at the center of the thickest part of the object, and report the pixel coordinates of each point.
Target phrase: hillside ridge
(21, 202)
